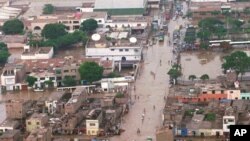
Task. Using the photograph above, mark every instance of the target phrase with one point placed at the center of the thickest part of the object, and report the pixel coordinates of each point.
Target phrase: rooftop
(115, 4)
(115, 39)
(38, 116)
(9, 123)
(40, 50)
(56, 96)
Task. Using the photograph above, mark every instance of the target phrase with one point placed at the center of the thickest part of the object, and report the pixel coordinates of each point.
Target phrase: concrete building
(17, 109)
(41, 134)
(15, 41)
(43, 78)
(93, 122)
(12, 77)
(75, 101)
(7, 12)
(233, 94)
(52, 101)
(11, 136)
(121, 7)
(244, 96)
(8, 125)
(37, 53)
(36, 121)
(72, 21)
(153, 3)
(86, 7)
(227, 121)
(116, 46)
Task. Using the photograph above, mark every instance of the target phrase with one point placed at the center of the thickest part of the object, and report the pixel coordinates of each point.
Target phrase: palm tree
(192, 77)
(204, 77)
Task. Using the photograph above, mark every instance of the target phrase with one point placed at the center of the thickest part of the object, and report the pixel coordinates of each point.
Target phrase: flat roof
(119, 4)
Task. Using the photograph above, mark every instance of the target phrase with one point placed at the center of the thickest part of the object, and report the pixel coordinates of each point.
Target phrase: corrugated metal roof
(116, 4)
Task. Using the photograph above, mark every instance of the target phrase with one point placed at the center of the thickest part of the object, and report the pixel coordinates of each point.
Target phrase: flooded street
(199, 63)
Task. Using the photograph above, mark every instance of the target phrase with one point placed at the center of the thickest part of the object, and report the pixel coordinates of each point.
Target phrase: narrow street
(150, 91)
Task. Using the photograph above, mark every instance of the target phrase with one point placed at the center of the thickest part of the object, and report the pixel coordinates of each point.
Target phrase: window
(73, 70)
(243, 98)
(136, 50)
(52, 78)
(213, 91)
(37, 123)
(92, 124)
(75, 22)
(112, 49)
(222, 91)
(231, 92)
(99, 21)
(29, 123)
(42, 78)
(58, 71)
(204, 92)
(66, 71)
(121, 50)
(126, 50)
(59, 78)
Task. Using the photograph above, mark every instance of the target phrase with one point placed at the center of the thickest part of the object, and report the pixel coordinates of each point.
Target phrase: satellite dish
(96, 37)
(132, 40)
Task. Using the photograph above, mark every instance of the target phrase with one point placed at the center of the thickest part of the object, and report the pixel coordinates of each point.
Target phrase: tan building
(13, 135)
(36, 121)
(42, 134)
(16, 109)
(75, 101)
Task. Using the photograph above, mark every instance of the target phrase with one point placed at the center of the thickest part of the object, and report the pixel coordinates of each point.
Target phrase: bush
(189, 112)
(210, 117)
(119, 95)
(48, 9)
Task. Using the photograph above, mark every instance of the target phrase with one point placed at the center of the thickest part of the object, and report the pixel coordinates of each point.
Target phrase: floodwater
(200, 63)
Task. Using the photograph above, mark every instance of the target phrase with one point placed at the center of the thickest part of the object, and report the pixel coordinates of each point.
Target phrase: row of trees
(89, 71)
(4, 53)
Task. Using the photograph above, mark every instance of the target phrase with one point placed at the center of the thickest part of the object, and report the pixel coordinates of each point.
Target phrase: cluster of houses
(88, 110)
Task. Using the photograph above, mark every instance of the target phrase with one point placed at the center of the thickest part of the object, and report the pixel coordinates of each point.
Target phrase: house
(86, 7)
(245, 95)
(37, 53)
(41, 134)
(113, 84)
(153, 3)
(13, 135)
(7, 12)
(44, 79)
(71, 121)
(12, 77)
(233, 94)
(227, 121)
(75, 101)
(122, 7)
(94, 119)
(8, 125)
(17, 109)
(36, 121)
(52, 101)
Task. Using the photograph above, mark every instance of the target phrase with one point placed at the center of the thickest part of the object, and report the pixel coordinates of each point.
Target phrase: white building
(9, 12)
(43, 78)
(118, 47)
(86, 7)
(109, 84)
(227, 121)
(37, 53)
(154, 3)
(12, 76)
(8, 125)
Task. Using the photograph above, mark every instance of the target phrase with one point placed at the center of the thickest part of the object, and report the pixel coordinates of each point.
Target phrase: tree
(48, 9)
(13, 26)
(175, 71)
(31, 80)
(4, 53)
(192, 77)
(53, 31)
(89, 25)
(204, 77)
(49, 83)
(69, 81)
(90, 71)
(238, 61)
